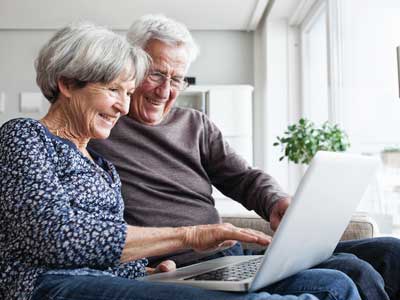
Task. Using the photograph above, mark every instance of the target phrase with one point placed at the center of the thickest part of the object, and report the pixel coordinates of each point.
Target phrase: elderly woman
(62, 230)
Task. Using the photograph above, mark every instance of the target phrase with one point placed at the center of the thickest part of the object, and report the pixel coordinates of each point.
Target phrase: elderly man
(168, 158)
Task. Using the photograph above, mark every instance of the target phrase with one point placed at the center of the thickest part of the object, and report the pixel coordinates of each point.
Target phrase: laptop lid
(321, 209)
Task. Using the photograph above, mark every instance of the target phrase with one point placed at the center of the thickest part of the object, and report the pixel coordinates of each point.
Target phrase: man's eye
(177, 80)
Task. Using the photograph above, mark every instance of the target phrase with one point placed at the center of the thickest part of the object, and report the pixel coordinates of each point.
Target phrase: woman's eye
(113, 89)
(157, 76)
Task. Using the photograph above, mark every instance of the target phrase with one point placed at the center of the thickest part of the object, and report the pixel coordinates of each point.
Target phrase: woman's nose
(123, 104)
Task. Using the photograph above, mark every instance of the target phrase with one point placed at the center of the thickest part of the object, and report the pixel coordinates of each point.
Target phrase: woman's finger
(166, 266)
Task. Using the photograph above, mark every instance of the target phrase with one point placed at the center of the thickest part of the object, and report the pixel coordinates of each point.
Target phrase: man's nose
(163, 90)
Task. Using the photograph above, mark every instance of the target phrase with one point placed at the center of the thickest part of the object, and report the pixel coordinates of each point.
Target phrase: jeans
(373, 264)
(381, 255)
(323, 284)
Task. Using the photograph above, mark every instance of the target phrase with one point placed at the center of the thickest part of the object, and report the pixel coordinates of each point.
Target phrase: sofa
(361, 226)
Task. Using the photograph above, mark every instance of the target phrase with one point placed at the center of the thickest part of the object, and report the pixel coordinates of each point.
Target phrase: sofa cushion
(361, 226)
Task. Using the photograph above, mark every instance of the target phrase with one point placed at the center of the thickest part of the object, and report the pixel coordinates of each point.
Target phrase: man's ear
(64, 87)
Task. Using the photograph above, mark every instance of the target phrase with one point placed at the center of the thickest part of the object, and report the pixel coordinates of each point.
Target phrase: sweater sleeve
(43, 228)
(232, 175)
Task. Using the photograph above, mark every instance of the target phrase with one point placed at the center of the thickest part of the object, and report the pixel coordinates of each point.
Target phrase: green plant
(302, 140)
(391, 149)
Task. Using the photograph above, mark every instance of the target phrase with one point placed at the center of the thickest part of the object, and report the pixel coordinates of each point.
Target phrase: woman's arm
(152, 241)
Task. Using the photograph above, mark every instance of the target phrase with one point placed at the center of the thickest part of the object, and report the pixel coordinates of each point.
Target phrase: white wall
(271, 111)
(260, 96)
(226, 58)
(17, 52)
(277, 97)
(371, 104)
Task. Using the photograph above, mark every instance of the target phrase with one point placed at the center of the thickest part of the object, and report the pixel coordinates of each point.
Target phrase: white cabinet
(230, 107)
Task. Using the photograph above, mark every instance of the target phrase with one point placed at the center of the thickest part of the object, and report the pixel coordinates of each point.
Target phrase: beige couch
(361, 226)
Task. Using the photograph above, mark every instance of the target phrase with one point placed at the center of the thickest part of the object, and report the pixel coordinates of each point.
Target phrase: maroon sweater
(167, 171)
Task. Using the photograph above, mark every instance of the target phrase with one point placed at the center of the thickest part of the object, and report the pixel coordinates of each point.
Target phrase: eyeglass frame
(163, 78)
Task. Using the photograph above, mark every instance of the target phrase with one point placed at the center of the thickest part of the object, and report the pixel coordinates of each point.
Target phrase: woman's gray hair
(83, 53)
(164, 29)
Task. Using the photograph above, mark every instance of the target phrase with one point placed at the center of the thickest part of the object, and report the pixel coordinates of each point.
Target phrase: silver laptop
(321, 209)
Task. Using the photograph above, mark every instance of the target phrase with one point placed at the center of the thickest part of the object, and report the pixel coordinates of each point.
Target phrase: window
(314, 62)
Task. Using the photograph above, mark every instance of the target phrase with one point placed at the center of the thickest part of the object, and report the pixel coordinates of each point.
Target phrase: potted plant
(301, 141)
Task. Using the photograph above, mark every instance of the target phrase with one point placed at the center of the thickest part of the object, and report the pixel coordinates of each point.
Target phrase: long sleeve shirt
(167, 172)
(60, 212)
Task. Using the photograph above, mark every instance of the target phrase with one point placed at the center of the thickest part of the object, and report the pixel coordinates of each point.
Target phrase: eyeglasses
(178, 84)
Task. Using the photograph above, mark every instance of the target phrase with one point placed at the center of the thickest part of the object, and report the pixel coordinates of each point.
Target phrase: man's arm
(233, 176)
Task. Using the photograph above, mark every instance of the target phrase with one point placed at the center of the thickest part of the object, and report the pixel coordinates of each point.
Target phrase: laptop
(320, 211)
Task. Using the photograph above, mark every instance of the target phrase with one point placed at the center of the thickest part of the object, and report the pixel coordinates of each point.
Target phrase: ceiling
(119, 14)
(286, 8)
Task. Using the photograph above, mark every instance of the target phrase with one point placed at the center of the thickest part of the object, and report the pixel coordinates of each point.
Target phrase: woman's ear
(64, 87)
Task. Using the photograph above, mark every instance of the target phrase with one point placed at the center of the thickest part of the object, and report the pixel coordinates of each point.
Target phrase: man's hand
(278, 209)
(165, 266)
(216, 237)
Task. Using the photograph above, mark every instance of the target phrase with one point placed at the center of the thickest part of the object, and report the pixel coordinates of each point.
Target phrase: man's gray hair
(82, 53)
(164, 29)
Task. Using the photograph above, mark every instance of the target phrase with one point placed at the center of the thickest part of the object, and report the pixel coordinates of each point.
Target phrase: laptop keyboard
(236, 272)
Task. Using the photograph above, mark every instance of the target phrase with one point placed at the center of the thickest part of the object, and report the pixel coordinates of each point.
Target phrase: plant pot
(391, 159)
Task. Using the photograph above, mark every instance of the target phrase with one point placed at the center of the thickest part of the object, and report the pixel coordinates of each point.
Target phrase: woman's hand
(165, 266)
(208, 238)
(153, 241)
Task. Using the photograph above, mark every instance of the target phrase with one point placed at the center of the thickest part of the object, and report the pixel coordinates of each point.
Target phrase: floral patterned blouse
(60, 212)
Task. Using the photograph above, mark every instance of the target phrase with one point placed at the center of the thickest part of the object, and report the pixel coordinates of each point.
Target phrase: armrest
(361, 226)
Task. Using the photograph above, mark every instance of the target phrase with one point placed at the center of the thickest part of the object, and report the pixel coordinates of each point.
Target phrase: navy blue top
(60, 212)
